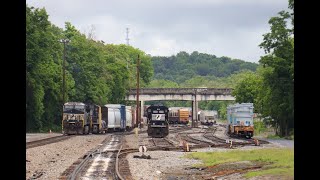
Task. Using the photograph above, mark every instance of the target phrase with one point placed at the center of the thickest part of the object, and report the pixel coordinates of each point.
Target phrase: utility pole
(64, 41)
(138, 104)
(196, 106)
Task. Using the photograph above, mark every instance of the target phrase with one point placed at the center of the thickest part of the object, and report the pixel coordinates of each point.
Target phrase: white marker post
(142, 149)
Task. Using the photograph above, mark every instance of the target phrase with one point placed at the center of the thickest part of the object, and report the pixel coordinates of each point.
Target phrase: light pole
(64, 41)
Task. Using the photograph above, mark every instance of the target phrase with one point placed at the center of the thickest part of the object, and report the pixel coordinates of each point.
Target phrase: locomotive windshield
(77, 108)
(68, 107)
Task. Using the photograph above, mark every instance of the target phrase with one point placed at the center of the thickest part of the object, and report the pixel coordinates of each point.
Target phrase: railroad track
(99, 163)
(45, 141)
(162, 142)
(116, 165)
(210, 135)
(74, 169)
(250, 140)
(179, 129)
(193, 140)
(122, 165)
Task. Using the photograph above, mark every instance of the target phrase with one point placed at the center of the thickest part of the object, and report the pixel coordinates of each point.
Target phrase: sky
(232, 28)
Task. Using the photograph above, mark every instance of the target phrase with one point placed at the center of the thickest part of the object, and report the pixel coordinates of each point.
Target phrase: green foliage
(95, 72)
(215, 82)
(259, 127)
(278, 78)
(183, 67)
(161, 83)
(223, 112)
(43, 70)
(246, 91)
(271, 88)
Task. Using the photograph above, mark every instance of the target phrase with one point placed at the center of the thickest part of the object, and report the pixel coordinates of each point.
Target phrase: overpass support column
(194, 113)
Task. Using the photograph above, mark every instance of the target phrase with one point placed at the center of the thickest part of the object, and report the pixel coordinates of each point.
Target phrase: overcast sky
(232, 28)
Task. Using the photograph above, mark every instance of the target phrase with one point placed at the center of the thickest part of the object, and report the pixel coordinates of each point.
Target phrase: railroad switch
(185, 146)
(256, 142)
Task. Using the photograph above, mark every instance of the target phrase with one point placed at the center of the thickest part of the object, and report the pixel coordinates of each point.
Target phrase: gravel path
(282, 142)
(161, 161)
(49, 161)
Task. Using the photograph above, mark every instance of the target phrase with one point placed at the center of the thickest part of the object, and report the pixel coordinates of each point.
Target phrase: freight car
(173, 115)
(128, 118)
(207, 117)
(240, 120)
(99, 118)
(157, 120)
(183, 116)
(80, 118)
(179, 115)
(117, 118)
(75, 120)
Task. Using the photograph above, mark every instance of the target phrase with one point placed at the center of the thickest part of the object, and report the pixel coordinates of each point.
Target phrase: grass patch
(280, 161)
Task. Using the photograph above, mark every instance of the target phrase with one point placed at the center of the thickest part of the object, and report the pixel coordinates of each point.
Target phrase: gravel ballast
(161, 161)
(49, 161)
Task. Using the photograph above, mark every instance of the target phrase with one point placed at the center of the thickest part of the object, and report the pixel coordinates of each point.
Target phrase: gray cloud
(230, 28)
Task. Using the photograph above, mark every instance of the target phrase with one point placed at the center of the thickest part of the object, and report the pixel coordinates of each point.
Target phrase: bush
(259, 127)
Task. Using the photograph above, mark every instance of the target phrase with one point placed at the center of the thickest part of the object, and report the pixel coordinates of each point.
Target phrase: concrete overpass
(185, 94)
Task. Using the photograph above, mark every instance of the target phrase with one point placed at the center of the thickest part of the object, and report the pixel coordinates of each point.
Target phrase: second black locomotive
(157, 119)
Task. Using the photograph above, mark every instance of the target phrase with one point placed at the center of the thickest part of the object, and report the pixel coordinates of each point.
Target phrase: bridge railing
(215, 91)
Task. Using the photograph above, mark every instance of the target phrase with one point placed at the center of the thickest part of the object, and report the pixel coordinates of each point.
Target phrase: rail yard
(116, 155)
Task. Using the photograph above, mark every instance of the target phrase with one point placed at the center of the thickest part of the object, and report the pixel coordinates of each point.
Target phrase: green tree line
(95, 72)
(183, 66)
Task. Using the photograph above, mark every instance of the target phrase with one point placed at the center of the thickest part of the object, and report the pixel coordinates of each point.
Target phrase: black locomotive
(157, 119)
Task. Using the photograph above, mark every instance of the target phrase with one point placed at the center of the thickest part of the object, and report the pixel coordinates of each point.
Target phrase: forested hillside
(184, 66)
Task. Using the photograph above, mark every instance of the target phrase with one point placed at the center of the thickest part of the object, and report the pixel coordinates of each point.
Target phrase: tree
(247, 90)
(163, 84)
(278, 78)
(43, 70)
(95, 73)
